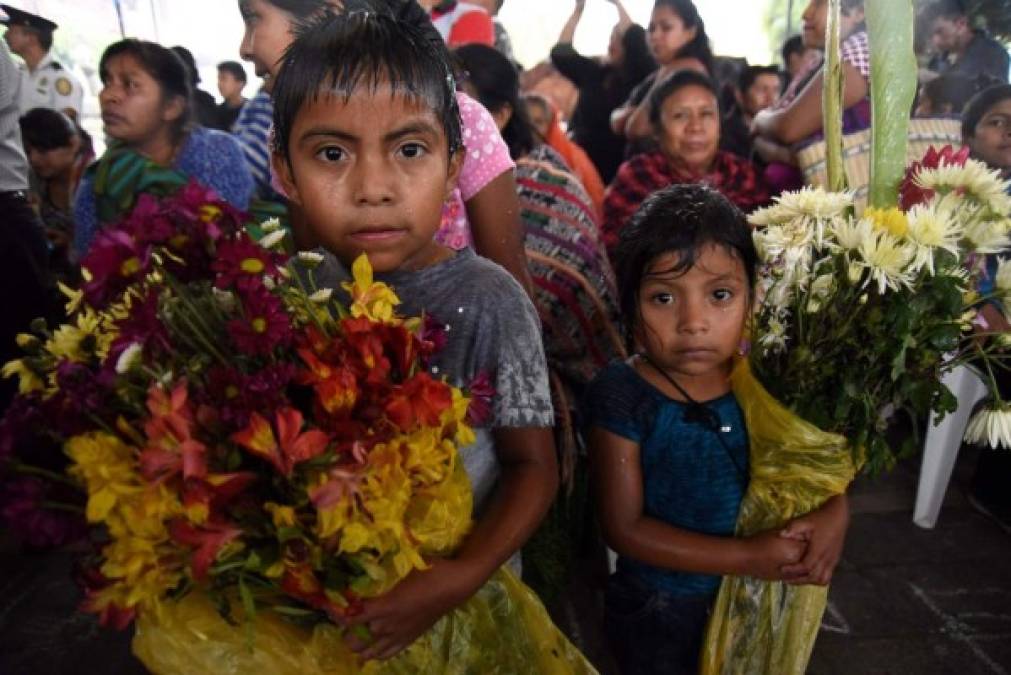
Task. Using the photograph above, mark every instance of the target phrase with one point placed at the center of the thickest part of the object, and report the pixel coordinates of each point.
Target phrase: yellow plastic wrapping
(770, 627)
(503, 629)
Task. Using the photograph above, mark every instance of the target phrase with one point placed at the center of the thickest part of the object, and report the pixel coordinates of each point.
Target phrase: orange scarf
(577, 159)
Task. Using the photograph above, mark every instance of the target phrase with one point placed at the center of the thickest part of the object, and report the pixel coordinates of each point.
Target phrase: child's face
(691, 325)
(371, 176)
(991, 142)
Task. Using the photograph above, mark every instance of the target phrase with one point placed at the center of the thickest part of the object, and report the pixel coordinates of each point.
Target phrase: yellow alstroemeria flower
(28, 380)
(283, 516)
(372, 299)
(105, 465)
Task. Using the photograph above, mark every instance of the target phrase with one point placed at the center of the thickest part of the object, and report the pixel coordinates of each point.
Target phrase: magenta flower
(264, 325)
(242, 263)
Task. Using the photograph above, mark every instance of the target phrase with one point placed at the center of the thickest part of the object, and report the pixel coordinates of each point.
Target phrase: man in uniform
(46, 83)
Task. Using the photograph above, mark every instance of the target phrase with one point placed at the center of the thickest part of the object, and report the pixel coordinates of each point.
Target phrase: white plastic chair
(940, 448)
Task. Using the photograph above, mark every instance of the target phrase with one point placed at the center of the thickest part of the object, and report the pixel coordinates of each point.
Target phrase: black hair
(235, 69)
(637, 62)
(676, 81)
(340, 54)
(48, 129)
(978, 106)
(191, 64)
(942, 9)
(792, 45)
(44, 36)
(498, 84)
(955, 90)
(750, 74)
(680, 219)
(699, 47)
(164, 66)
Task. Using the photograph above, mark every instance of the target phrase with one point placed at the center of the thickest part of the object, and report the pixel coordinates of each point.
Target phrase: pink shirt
(486, 158)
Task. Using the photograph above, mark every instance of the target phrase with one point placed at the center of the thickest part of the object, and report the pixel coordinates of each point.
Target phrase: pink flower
(264, 326)
(242, 263)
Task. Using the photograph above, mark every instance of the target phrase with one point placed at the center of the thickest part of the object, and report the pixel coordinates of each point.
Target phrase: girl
(483, 209)
(678, 40)
(669, 448)
(146, 109)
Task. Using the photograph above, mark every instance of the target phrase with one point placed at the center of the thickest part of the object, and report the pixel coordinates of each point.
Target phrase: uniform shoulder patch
(64, 87)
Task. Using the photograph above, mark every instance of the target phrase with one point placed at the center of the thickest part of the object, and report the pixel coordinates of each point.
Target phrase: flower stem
(31, 470)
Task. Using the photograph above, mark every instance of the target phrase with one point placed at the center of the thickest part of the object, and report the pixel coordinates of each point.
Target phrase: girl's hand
(396, 619)
(824, 532)
(768, 554)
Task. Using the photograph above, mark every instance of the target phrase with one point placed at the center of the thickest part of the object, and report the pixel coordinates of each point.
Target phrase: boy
(369, 146)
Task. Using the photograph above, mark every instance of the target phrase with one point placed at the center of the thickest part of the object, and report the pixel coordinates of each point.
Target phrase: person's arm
(635, 118)
(824, 532)
(569, 29)
(526, 487)
(617, 473)
(624, 20)
(803, 116)
(770, 151)
(495, 225)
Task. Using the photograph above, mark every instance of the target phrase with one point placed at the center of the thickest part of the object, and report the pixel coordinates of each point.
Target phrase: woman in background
(145, 101)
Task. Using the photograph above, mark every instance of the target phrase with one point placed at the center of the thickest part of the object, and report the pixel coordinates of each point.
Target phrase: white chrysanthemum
(129, 359)
(849, 234)
(310, 259)
(1003, 278)
(774, 339)
(820, 290)
(270, 225)
(273, 239)
(809, 202)
(887, 258)
(322, 296)
(774, 241)
(992, 426)
(974, 180)
(987, 236)
(931, 229)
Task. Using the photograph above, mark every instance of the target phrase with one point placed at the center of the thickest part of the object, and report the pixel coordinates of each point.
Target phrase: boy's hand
(824, 531)
(396, 619)
(769, 553)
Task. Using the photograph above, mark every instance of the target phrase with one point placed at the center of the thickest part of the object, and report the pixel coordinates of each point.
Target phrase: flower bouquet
(857, 319)
(259, 457)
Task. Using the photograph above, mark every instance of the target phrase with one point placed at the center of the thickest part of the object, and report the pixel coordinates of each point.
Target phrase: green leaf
(890, 26)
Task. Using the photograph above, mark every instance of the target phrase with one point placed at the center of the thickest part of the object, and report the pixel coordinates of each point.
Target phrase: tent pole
(789, 18)
(119, 15)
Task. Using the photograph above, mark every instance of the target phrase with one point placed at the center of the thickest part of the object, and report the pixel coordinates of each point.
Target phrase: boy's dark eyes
(330, 154)
(662, 298)
(412, 150)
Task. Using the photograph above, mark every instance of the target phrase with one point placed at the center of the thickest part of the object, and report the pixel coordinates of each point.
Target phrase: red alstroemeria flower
(265, 325)
(911, 194)
(336, 386)
(206, 542)
(289, 447)
(242, 263)
(420, 400)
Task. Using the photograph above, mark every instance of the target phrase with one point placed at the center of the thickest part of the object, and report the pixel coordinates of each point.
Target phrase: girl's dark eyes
(723, 295)
(662, 298)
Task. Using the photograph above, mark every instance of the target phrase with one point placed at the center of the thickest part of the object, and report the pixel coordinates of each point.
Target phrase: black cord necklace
(701, 414)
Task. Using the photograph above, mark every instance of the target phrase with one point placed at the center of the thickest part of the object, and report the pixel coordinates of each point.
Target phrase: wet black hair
(978, 106)
(300, 9)
(699, 47)
(343, 53)
(498, 84)
(637, 62)
(162, 64)
(234, 68)
(750, 74)
(680, 219)
(676, 81)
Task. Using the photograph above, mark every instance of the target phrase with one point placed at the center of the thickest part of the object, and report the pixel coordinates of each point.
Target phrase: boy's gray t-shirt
(492, 328)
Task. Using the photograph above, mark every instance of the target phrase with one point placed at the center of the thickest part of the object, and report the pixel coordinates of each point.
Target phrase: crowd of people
(575, 204)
